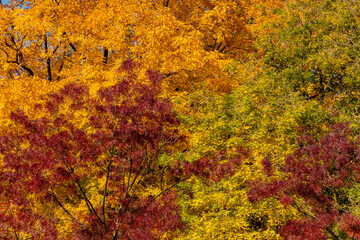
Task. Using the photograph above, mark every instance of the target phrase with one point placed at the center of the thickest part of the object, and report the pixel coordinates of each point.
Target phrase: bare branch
(48, 60)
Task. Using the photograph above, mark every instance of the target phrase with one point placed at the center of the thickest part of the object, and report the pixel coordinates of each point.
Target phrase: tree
(318, 181)
(313, 45)
(101, 179)
(262, 116)
(185, 40)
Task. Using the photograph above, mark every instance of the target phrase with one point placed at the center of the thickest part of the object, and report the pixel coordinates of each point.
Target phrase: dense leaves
(187, 40)
(56, 166)
(314, 45)
(318, 176)
(237, 138)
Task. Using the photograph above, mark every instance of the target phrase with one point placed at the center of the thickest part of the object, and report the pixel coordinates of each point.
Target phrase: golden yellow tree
(189, 41)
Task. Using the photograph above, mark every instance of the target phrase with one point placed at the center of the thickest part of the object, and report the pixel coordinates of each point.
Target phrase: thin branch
(28, 70)
(87, 201)
(115, 236)
(308, 210)
(64, 209)
(55, 50)
(167, 189)
(105, 193)
(7, 55)
(90, 206)
(48, 60)
(129, 177)
(60, 68)
(72, 46)
(137, 174)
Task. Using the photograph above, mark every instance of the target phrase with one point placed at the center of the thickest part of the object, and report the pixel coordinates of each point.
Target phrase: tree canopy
(210, 119)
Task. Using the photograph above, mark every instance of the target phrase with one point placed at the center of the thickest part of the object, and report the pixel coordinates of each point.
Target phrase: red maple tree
(53, 163)
(318, 177)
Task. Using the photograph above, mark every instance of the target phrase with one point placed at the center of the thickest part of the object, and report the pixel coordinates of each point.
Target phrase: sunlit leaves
(186, 40)
(313, 45)
(92, 175)
(316, 182)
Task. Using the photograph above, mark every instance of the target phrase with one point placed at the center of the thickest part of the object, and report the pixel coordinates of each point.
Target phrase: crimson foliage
(318, 177)
(52, 164)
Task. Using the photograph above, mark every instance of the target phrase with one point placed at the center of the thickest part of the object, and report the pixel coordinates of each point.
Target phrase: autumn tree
(262, 116)
(319, 181)
(185, 40)
(102, 179)
(188, 41)
(314, 45)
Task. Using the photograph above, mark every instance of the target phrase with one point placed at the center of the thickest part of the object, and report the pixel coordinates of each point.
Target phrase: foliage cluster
(211, 119)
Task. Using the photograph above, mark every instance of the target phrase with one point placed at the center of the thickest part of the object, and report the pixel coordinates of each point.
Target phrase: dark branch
(28, 70)
(72, 46)
(64, 209)
(48, 60)
(105, 193)
(106, 55)
(88, 203)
